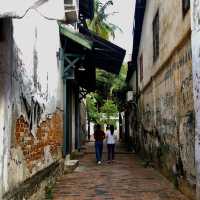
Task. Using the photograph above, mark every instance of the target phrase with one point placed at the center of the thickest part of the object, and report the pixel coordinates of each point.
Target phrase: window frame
(2, 30)
(156, 36)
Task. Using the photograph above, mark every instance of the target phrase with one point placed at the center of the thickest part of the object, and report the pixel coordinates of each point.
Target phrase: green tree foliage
(104, 82)
(108, 83)
(119, 81)
(109, 112)
(106, 113)
(91, 106)
(101, 107)
(99, 24)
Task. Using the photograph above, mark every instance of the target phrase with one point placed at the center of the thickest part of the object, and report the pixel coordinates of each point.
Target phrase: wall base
(34, 188)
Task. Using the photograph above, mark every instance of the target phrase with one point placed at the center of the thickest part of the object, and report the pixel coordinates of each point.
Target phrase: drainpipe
(195, 21)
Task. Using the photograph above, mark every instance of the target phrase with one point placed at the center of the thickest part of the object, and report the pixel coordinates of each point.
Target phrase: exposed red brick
(33, 148)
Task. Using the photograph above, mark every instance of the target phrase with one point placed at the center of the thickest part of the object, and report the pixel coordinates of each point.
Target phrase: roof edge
(137, 31)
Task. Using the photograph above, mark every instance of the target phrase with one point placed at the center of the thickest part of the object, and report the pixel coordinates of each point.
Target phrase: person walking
(111, 140)
(99, 136)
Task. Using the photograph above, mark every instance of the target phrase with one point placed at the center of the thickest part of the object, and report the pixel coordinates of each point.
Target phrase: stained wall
(166, 108)
(5, 99)
(31, 99)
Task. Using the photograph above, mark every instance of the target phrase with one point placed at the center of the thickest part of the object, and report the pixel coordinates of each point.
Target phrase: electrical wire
(35, 9)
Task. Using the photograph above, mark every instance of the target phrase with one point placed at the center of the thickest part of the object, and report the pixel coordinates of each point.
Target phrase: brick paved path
(124, 179)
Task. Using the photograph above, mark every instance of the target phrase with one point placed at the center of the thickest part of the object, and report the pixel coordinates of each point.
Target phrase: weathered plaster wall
(31, 99)
(36, 153)
(5, 100)
(174, 108)
(166, 108)
(195, 19)
(36, 66)
(173, 28)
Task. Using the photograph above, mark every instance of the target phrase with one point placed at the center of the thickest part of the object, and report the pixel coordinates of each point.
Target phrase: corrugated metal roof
(76, 37)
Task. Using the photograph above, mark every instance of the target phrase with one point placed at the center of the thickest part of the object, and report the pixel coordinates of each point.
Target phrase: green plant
(109, 112)
(91, 106)
(48, 192)
(119, 81)
(175, 181)
(100, 24)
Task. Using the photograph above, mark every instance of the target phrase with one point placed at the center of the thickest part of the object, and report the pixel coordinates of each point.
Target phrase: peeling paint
(37, 96)
(17, 166)
(31, 86)
(5, 104)
(166, 114)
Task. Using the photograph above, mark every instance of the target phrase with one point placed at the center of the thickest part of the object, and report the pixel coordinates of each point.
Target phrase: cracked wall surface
(5, 100)
(31, 100)
(166, 117)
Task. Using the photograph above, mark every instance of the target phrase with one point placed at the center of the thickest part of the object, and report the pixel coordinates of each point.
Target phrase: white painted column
(195, 20)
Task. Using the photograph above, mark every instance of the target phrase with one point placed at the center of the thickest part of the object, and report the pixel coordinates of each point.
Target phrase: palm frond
(115, 27)
(99, 24)
(104, 7)
(109, 14)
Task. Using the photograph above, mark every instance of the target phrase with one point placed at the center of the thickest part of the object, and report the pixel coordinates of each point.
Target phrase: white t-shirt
(111, 139)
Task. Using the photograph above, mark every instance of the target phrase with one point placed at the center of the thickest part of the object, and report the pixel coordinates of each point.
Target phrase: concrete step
(70, 165)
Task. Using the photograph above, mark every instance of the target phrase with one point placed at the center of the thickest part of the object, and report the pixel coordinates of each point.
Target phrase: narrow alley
(126, 178)
(75, 71)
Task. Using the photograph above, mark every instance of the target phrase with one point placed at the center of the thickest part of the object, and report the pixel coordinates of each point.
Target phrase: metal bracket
(71, 59)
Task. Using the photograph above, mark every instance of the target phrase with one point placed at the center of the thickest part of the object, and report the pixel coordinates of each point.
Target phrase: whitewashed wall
(36, 43)
(30, 72)
(5, 103)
